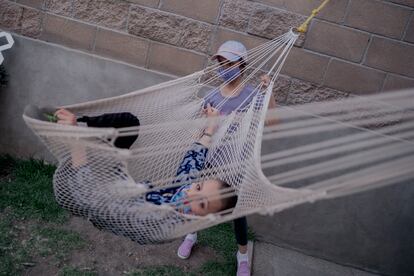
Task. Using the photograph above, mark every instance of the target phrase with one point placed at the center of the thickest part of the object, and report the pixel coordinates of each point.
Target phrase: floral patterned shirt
(189, 168)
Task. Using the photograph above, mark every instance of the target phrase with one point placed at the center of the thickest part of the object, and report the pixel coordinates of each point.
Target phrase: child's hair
(242, 65)
(228, 202)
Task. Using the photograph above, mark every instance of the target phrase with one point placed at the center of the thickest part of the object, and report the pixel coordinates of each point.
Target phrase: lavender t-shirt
(214, 98)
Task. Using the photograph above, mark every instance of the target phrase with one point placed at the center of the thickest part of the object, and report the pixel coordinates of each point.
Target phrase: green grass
(29, 194)
(30, 219)
(21, 244)
(221, 239)
(46, 241)
(159, 271)
(218, 268)
(12, 256)
(74, 271)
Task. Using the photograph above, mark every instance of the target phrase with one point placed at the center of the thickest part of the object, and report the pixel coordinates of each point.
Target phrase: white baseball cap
(232, 50)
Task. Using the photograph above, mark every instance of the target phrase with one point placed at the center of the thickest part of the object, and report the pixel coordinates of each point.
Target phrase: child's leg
(240, 230)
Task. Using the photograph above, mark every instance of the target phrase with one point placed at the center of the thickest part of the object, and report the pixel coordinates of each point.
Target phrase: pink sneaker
(184, 251)
(243, 269)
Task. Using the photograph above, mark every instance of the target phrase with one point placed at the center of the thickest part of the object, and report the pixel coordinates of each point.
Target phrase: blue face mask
(228, 74)
(179, 199)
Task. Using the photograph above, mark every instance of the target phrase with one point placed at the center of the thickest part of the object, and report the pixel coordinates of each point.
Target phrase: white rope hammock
(316, 151)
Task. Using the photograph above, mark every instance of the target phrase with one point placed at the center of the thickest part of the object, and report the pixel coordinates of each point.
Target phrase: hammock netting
(316, 151)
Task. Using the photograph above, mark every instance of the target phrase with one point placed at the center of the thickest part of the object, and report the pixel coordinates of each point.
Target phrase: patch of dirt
(43, 266)
(21, 232)
(108, 254)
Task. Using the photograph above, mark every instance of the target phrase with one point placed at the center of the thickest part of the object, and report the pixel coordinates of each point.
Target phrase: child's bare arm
(205, 139)
(265, 79)
(272, 104)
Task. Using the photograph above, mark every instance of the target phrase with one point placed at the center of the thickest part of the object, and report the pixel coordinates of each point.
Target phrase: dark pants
(240, 230)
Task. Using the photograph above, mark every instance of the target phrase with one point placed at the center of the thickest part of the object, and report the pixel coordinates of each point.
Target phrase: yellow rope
(304, 27)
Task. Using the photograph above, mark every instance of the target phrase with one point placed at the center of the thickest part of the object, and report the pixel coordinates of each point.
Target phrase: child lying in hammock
(199, 198)
(195, 198)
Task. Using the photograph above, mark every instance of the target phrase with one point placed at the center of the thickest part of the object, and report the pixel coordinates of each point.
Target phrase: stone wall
(359, 46)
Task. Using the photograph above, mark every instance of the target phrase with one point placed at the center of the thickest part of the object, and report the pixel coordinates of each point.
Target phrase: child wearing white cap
(232, 55)
(231, 96)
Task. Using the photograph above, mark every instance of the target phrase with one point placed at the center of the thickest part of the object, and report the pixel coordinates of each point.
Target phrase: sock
(191, 237)
(242, 257)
